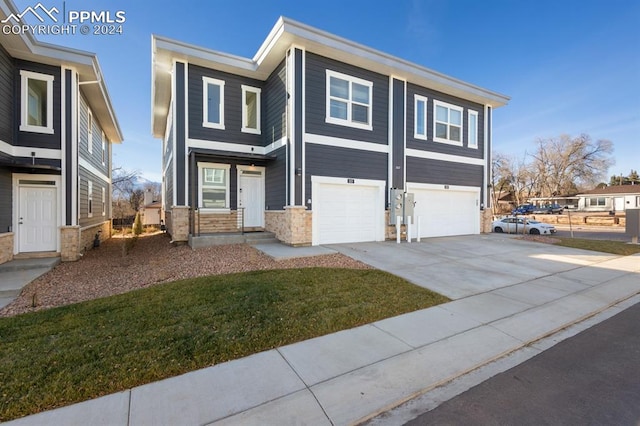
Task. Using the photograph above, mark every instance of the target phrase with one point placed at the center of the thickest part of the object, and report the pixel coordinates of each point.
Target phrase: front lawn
(73, 353)
(614, 247)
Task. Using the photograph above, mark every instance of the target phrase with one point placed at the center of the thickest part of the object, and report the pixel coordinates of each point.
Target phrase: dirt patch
(539, 239)
(118, 266)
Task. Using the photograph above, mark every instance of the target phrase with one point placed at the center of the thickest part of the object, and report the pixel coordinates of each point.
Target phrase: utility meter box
(632, 224)
(401, 204)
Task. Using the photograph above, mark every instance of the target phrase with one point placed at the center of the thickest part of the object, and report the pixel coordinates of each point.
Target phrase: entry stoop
(251, 238)
(16, 274)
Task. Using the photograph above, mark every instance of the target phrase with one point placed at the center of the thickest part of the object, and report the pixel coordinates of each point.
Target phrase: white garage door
(347, 212)
(445, 212)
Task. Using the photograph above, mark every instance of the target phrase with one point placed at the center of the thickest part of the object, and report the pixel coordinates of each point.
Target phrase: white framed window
(89, 131)
(447, 123)
(251, 109)
(597, 201)
(104, 201)
(420, 117)
(213, 186)
(89, 198)
(472, 122)
(104, 149)
(213, 103)
(36, 102)
(349, 101)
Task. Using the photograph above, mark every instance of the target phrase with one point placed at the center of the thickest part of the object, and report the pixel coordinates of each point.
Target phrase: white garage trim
(446, 210)
(377, 187)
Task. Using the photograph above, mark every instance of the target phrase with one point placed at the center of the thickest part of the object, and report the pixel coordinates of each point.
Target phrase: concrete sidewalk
(16, 274)
(350, 376)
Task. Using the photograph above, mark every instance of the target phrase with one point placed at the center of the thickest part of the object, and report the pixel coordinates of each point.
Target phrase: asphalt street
(592, 378)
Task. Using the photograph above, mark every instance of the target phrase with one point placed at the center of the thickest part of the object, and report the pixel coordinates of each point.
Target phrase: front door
(251, 197)
(37, 221)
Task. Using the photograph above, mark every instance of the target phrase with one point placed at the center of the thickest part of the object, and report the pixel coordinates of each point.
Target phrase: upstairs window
(472, 122)
(213, 103)
(89, 199)
(36, 112)
(420, 118)
(104, 202)
(349, 101)
(104, 149)
(251, 109)
(89, 131)
(447, 123)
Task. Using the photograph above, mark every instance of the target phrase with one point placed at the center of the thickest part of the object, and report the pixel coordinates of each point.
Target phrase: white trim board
(25, 151)
(93, 170)
(345, 143)
(430, 155)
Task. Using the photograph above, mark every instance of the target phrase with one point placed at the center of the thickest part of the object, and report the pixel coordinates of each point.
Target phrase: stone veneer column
(6, 247)
(70, 243)
(180, 224)
(486, 217)
(298, 220)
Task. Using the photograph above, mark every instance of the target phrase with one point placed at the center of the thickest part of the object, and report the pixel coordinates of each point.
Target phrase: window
(447, 123)
(213, 103)
(597, 201)
(104, 202)
(89, 131)
(213, 180)
(349, 101)
(104, 149)
(472, 121)
(420, 118)
(251, 109)
(36, 113)
(90, 198)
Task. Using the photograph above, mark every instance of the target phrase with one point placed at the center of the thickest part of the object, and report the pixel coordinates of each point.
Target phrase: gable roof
(25, 46)
(285, 34)
(614, 190)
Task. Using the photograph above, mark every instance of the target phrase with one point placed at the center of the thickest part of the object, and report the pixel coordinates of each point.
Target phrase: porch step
(25, 264)
(36, 255)
(251, 238)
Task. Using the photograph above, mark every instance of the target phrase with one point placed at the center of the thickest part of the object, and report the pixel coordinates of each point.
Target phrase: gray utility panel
(402, 204)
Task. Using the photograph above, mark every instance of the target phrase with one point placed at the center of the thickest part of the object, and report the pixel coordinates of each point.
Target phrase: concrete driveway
(463, 266)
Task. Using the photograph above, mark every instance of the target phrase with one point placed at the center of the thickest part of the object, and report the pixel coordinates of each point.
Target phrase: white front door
(37, 219)
(251, 197)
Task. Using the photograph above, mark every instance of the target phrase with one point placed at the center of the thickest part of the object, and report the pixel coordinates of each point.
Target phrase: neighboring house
(308, 138)
(57, 125)
(611, 198)
(151, 210)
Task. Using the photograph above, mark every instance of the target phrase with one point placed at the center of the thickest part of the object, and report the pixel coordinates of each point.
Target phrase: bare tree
(123, 181)
(563, 165)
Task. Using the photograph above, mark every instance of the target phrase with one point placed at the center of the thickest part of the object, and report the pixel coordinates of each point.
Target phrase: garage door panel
(447, 212)
(347, 213)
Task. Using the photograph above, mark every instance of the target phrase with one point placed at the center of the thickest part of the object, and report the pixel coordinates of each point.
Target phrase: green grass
(613, 247)
(64, 355)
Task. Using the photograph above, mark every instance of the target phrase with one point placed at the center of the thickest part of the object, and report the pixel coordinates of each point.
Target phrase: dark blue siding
(274, 101)
(232, 107)
(39, 140)
(322, 160)
(6, 200)
(398, 104)
(422, 170)
(68, 153)
(179, 154)
(7, 98)
(315, 114)
(430, 145)
(276, 181)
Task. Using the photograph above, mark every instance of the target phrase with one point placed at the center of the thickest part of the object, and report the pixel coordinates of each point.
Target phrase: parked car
(548, 209)
(524, 209)
(522, 225)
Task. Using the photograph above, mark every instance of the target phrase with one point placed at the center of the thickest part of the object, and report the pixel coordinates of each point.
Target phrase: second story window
(36, 110)
(472, 122)
(420, 117)
(251, 109)
(447, 123)
(213, 103)
(89, 198)
(89, 131)
(104, 149)
(349, 101)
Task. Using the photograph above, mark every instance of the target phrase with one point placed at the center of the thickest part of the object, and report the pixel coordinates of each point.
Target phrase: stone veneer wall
(292, 226)
(486, 217)
(87, 235)
(6, 247)
(179, 220)
(70, 243)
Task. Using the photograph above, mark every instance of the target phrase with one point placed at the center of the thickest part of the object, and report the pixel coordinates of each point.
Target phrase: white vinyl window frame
(246, 128)
(349, 101)
(104, 201)
(201, 183)
(25, 76)
(417, 134)
(206, 81)
(89, 199)
(89, 131)
(472, 131)
(448, 123)
(104, 149)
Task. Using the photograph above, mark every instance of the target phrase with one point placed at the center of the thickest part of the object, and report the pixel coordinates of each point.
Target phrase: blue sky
(570, 66)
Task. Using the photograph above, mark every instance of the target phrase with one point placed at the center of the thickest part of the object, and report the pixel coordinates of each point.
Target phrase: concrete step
(251, 238)
(30, 263)
(260, 238)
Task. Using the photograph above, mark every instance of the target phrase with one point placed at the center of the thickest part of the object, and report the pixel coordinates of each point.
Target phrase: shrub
(137, 225)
